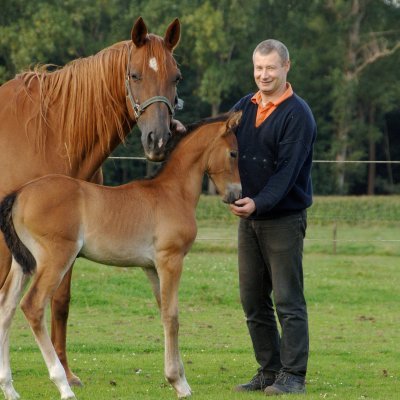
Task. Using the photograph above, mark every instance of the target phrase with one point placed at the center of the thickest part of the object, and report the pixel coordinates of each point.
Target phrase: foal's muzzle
(232, 193)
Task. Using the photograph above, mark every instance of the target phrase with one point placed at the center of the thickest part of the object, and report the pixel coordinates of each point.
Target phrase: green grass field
(116, 339)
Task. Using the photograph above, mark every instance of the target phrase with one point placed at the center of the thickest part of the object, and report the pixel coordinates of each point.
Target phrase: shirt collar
(256, 99)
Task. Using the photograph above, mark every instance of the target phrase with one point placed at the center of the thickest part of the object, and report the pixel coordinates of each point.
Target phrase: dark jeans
(270, 263)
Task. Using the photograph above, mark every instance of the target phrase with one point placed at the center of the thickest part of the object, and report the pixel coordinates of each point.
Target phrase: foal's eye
(178, 79)
(233, 154)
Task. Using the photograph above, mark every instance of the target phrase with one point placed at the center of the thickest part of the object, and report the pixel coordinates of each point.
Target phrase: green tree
(366, 30)
(219, 37)
(344, 56)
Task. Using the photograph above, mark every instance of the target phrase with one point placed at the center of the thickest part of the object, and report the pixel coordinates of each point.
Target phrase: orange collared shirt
(263, 112)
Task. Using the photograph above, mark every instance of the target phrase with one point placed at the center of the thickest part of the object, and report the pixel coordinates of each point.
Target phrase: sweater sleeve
(293, 150)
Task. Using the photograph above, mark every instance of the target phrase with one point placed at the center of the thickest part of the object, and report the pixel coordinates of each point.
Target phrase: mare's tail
(19, 251)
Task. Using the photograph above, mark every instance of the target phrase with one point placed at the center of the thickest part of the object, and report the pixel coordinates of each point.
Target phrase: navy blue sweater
(275, 158)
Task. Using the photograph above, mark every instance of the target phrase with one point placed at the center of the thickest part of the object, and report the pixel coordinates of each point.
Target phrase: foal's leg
(10, 294)
(154, 279)
(59, 318)
(60, 310)
(170, 270)
(48, 277)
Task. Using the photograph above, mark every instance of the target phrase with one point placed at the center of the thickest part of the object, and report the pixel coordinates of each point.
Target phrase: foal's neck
(186, 167)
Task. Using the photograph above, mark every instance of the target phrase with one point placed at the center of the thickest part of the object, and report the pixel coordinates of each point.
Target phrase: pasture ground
(115, 337)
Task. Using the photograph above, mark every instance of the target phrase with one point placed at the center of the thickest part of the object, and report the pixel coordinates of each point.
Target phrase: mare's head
(152, 76)
(222, 165)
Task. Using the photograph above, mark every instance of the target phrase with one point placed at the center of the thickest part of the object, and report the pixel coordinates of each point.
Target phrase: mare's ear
(139, 33)
(233, 120)
(173, 34)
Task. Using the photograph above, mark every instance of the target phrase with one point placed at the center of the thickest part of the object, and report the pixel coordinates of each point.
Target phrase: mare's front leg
(59, 317)
(10, 294)
(5, 261)
(169, 269)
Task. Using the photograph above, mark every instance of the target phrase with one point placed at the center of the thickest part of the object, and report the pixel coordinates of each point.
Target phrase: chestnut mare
(69, 120)
(147, 223)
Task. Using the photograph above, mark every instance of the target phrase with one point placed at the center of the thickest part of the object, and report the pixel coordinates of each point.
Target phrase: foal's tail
(19, 251)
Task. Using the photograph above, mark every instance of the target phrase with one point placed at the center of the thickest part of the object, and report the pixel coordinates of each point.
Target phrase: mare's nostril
(150, 140)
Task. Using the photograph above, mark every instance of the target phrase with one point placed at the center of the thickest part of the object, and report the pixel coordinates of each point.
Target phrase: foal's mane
(177, 138)
(88, 97)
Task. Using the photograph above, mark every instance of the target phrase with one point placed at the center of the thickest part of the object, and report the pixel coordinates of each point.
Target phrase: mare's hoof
(73, 380)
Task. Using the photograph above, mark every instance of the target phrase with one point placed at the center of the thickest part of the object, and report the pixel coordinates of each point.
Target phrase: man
(275, 139)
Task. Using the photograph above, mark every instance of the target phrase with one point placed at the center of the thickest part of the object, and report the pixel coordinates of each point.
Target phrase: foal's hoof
(73, 380)
(11, 394)
(185, 395)
(184, 390)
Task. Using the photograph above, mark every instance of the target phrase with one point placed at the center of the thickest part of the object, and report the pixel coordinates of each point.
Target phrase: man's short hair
(270, 45)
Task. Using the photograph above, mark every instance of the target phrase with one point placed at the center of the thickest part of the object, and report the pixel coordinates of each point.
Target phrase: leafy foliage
(344, 54)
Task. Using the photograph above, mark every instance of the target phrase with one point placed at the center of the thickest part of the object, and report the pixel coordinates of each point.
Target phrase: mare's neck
(87, 164)
(104, 120)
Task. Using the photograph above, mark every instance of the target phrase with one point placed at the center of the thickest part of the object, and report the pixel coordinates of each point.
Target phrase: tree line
(345, 58)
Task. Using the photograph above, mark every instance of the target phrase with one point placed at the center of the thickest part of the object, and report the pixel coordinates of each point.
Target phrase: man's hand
(177, 127)
(243, 207)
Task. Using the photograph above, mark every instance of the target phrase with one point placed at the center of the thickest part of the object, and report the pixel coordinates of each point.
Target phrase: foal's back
(111, 225)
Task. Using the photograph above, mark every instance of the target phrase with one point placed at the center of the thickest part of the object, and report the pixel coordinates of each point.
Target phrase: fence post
(334, 236)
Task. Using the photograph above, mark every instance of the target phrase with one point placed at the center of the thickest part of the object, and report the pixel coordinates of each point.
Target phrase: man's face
(270, 73)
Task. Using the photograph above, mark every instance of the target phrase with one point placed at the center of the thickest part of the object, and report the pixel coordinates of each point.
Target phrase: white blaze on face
(153, 64)
(160, 143)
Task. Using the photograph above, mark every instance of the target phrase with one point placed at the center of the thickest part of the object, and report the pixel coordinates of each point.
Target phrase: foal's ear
(139, 33)
(173, 34)
(233, 120)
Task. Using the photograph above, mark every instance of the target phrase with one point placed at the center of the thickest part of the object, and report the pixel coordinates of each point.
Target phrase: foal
(147, 223)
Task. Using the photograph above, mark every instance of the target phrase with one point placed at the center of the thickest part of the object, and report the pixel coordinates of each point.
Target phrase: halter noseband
(138, 109)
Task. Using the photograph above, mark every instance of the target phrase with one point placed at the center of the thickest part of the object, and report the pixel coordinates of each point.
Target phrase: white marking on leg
(8, 303)
(153, 64)
(56, 371)
(59, 378)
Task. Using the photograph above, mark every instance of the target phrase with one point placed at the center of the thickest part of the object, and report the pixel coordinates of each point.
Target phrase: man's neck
(267, 98)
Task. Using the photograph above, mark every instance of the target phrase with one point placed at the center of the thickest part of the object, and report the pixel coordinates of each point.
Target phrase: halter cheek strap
(138, 109)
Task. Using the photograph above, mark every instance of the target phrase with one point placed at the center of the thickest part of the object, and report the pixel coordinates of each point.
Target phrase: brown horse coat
(69, 120)
(147, 223)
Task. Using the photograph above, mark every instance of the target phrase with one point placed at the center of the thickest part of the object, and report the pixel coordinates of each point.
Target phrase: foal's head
(152, 76)
(222, 165)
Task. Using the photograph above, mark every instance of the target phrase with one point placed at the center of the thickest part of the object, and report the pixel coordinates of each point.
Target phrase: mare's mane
(177, 138)
(87, 96)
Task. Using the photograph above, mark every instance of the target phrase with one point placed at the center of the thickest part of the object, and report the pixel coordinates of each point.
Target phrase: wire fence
(314, 161)
(334, 221)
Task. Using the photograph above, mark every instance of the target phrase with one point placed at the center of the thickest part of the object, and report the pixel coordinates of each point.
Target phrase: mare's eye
(233, 154)
(135, 77)
(178, 79)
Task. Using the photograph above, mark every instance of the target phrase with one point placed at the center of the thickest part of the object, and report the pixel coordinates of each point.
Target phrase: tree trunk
(347, 104)
(372, 153)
